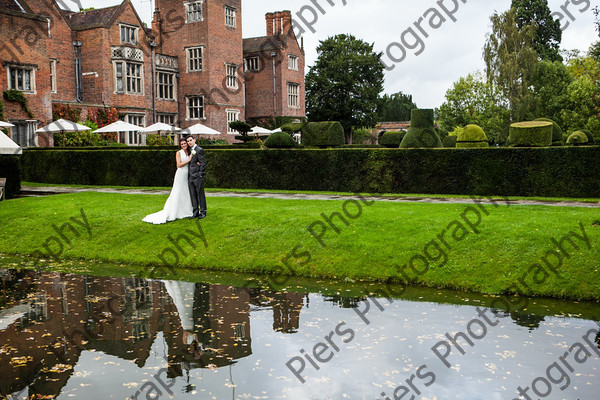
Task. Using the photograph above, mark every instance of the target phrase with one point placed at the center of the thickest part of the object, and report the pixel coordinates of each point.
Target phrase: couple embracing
(187, 194)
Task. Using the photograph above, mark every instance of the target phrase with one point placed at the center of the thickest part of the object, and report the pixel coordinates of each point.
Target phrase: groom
(196, 178)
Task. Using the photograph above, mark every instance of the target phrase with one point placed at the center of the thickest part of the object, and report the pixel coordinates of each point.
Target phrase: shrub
(280, 140)
(243, 128)
(449, 141)
(531, 134)
(156, 140)
(392, 139)
(545, 172)
(577, 138)
(323, 134)
(421, 133)
(10, 168)
(589, 136)
(557, 132)
(293, 127)
(472, 136)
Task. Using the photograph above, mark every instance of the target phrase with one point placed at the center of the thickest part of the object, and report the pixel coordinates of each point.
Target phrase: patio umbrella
(7, 146)
(159, 128)
(258, 130)
(200, 129)
(119, 126)
(5, 125)
(63, 126)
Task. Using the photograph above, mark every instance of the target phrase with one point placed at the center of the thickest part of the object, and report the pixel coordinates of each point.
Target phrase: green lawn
(255, 235)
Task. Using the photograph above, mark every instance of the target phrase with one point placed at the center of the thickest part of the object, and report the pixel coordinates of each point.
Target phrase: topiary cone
(421, 133)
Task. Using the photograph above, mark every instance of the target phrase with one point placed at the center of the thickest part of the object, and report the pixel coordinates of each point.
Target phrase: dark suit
(196, 181)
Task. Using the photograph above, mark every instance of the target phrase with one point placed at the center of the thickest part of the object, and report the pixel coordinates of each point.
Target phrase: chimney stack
(278, 22)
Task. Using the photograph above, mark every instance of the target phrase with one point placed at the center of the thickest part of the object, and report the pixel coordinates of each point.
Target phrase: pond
(66, 335)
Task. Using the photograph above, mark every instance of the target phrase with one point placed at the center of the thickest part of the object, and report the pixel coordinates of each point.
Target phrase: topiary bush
(531, 134)
(472, 136)
(577, 138)
(589, 136)
(392, 139)
(293, 127)
(323, 134)
(557, 132)
(421, 133)
(280, 140)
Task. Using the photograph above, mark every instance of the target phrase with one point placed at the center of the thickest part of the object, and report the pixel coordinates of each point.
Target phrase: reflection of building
(48, 319)
(286, 308)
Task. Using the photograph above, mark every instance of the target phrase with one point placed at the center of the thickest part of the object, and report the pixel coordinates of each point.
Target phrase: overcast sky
(452, 50)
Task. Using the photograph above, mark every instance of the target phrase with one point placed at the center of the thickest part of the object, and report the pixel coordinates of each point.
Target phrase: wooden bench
(2, 185)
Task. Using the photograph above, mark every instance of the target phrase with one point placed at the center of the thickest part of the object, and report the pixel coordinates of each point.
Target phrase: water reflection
(65, 335)
(48, 319)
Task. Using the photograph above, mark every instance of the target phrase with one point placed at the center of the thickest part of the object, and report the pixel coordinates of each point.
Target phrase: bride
(179, 203)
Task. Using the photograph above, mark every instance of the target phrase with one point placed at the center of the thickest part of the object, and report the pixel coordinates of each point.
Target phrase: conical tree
(421, 132)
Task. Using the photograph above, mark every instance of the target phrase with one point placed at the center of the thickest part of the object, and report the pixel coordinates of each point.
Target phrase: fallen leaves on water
(20, 361)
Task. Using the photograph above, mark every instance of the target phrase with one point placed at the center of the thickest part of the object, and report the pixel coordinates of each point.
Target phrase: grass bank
(482, 248)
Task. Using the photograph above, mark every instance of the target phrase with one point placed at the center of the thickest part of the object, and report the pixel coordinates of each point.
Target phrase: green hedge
(10, 168)
(323, 134)
(280, 140)
(450, 141)
(392, 139)
(552, 171)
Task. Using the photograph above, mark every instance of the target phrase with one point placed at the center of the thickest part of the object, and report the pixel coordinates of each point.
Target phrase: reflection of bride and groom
(215, 325)
(187, 199)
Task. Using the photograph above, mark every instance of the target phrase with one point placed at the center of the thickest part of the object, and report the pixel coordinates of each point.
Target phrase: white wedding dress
(179, 203)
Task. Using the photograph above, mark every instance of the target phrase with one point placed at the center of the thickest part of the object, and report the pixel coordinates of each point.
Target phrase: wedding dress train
(179, 203)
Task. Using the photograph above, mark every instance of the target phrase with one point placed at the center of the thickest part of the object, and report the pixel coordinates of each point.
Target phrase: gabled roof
(14, 5)
(98, 18)
(266, 43)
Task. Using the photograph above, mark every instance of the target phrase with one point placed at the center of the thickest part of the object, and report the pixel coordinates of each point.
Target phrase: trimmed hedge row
(10, 168)
(553, 171)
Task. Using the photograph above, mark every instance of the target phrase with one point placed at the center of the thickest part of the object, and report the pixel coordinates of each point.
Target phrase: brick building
(192, 65)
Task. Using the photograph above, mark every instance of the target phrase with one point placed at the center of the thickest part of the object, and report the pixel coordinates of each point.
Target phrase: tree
(548, 36)
(395, 107)
(243, 128)
(511, 62)
(550, 90)
(345, 83)
(472, 100)
(582, 109)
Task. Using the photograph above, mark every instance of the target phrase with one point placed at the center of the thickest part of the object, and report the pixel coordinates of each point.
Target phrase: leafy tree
(550, 89)
(395, 107)
(243, 128)
(582, 108)
(548, 34)
(345, 83)
(511, 62)
(472, 100)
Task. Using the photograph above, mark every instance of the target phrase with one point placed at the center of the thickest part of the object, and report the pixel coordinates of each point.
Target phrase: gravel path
(50, 190)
